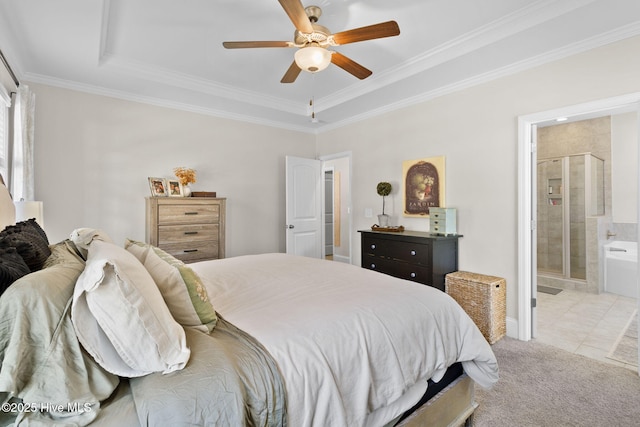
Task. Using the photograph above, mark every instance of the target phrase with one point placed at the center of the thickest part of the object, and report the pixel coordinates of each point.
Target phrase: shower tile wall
(550, 217)
(587, 136)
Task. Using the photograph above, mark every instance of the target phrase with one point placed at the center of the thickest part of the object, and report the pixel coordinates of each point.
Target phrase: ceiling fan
(312, 41)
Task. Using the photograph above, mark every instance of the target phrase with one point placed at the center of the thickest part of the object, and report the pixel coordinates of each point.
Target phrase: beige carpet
(625, 349)
(545, 386)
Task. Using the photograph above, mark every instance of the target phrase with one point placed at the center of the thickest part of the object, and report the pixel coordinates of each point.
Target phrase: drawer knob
(373, 266)
(413, 275)
(190, 232)
(373, 246)
(191, 213)
(413, 253)
(190, 250)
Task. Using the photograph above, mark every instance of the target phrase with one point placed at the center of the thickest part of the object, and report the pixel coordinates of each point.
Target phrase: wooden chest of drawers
(189, 228)
(421, 257)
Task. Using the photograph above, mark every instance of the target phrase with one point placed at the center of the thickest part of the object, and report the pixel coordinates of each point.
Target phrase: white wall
(624, 168)
(476, 130)
(93, 155)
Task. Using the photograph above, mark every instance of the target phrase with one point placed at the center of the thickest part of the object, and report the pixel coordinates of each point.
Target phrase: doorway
(574, 213)
(337, 206)
(528, 180)
(330, 227)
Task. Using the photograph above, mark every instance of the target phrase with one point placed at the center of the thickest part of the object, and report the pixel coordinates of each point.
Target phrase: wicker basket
(484, 300)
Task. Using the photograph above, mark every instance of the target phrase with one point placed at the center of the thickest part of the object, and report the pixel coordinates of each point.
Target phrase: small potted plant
(383, 189)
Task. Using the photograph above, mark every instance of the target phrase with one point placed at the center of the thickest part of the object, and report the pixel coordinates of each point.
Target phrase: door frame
(345, 198)
(324, 170)
(526, 175)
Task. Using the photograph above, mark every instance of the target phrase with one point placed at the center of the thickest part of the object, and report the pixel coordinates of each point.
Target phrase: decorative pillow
(30, 241)
(180, 286)
(12, 267)
(120, 317)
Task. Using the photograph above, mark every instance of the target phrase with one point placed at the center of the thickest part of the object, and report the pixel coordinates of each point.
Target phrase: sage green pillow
(182, 289)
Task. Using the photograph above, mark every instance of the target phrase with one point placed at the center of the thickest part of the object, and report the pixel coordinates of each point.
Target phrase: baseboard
(512, 328)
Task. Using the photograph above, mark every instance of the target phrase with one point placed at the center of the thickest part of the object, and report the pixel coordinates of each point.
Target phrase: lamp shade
(312, 58)
(27, 210)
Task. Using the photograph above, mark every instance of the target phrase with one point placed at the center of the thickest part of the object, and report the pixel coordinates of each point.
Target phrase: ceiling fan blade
(292, 73)
(250, 44)
(298, 16)
(376, 31)
(350, 66)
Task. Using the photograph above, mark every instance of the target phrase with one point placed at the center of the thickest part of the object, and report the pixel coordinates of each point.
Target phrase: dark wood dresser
(413, 255)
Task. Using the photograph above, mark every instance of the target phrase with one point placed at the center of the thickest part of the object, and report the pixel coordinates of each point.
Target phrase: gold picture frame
(424, 185)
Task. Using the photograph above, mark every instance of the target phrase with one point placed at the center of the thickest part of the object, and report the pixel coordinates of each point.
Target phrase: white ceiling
(170, 53)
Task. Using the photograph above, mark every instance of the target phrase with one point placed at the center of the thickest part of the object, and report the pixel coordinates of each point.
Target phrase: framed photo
(174, 188)
(158, 187)
(423, 185)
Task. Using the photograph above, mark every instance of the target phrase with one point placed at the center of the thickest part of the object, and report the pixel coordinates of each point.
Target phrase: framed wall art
(174, 188)
(424, 185)
(158, 187)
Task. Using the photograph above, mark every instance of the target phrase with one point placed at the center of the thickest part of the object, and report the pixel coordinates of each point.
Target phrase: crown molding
(518, 21)
(200, 85)
(126, 96)
(619, 34)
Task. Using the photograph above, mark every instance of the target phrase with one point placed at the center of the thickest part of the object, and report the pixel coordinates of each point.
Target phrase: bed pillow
(180, 286)
(82, 238)
(30, 241)
(42, 360)
(12, 267)
(120, 317)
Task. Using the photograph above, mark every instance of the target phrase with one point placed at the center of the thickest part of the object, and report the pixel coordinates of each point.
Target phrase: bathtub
(621, 268)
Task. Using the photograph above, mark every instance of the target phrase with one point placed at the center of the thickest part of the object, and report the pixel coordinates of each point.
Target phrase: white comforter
(349, 342)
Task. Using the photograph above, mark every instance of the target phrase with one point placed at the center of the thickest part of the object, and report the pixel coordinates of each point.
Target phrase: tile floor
(584, 323)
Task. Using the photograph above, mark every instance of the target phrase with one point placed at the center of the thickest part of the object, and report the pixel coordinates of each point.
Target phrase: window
(8, 86)
(4, 140)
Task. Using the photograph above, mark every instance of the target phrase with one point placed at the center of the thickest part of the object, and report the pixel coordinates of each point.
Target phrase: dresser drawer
(414, 253)
(180, 214)
(402, 270)
(192, 251)
(186, 233)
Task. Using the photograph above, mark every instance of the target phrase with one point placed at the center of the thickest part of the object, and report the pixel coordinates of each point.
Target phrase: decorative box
(442, 221)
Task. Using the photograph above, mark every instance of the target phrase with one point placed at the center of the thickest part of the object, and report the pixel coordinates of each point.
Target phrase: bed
(290, 341)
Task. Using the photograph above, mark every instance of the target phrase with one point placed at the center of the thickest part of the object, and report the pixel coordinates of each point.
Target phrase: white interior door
(304, 206)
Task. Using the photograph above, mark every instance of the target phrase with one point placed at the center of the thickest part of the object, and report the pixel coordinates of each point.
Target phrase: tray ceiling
(170, 53)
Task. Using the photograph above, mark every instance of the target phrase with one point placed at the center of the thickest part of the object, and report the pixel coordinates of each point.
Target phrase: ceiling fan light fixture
(312, 58)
